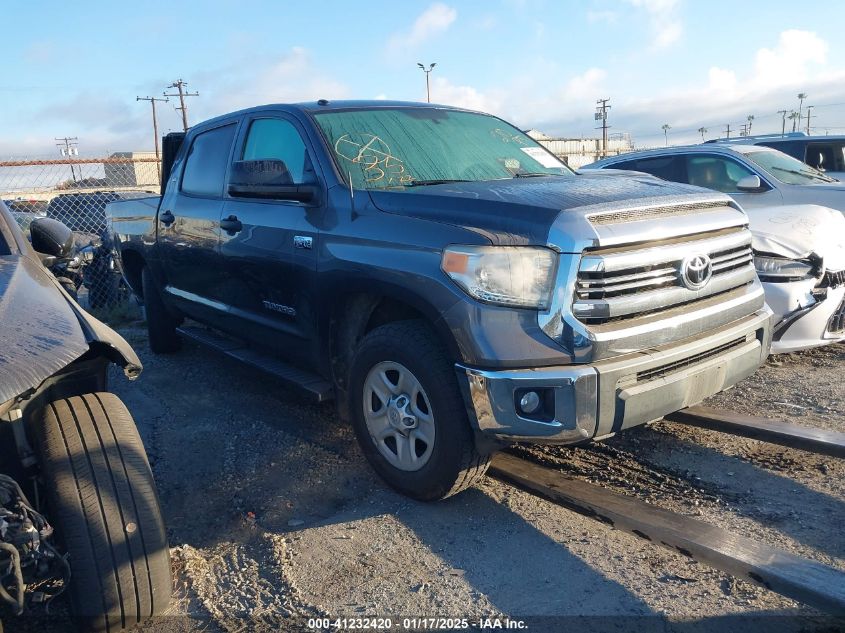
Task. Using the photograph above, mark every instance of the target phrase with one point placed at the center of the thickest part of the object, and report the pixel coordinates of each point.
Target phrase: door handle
(167, 218)
(231, 225)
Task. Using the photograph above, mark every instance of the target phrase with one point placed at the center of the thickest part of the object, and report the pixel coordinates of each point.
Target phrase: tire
(161, 325)
(104, 507)
(453, 462)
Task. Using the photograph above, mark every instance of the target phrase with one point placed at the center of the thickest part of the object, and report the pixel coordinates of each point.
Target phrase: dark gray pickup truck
(450, 282)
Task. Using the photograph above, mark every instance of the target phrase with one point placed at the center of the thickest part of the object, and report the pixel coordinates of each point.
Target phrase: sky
(75, 69)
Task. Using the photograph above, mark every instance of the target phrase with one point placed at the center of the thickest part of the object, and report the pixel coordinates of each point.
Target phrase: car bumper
(579, 403)
(816, 321)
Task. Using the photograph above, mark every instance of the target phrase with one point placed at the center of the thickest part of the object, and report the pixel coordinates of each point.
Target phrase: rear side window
(205, 165)
(665, 167)
(279, 139)
(825, 156)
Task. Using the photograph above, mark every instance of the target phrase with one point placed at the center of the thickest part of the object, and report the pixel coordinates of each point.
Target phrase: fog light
(530, 402)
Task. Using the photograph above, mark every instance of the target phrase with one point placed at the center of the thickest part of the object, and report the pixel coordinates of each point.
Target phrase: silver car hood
(796, 231)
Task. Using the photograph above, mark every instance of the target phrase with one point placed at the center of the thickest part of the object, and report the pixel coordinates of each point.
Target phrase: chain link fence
(76, 191)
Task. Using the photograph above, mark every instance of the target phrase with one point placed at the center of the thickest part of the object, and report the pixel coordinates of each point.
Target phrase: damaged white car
(799, 254)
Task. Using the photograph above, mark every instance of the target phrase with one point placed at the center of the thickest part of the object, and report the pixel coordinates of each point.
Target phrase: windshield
(787, 169)
(406, 147)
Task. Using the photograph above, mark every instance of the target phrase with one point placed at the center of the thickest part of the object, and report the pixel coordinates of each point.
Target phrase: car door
(189, 225)
(723, 173)
(270, 258)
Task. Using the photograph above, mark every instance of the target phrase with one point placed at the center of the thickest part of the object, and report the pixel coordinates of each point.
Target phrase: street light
(801, 97)
(427, 85)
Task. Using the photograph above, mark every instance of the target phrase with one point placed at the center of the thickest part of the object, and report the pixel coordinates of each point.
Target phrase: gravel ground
(274, 516)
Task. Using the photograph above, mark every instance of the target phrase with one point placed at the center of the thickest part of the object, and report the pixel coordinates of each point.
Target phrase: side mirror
(269, 179)
(750, 183)
(51, 238)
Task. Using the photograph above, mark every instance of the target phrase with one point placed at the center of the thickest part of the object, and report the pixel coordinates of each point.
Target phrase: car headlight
(519, 276)
(782, 269)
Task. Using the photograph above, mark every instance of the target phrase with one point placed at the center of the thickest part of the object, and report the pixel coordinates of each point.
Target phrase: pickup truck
(452, 284)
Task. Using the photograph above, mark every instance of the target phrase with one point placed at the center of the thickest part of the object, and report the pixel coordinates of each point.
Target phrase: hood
(521, 211)
(796, 231)
(39, 332)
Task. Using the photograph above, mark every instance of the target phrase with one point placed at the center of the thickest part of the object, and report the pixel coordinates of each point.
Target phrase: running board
(805, 438)
(310, 383)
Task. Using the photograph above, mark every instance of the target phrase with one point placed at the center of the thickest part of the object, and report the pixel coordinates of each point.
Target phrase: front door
(723, 173)
(270, 257)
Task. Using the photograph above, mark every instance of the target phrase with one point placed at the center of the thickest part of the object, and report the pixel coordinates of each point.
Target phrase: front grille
(837, 321)
(620, 283)
(670, 368)
(649, 213)
(833, 279)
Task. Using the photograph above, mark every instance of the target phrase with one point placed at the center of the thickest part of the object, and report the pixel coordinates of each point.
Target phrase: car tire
(103, 504)
(453, 462)
(161, 325)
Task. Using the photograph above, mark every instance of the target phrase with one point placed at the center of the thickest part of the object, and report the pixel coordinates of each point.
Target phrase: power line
(179, 85)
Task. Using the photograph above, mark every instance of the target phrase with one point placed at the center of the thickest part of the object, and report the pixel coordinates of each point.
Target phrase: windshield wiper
(439, 181)
(808, 174)
(534, 175)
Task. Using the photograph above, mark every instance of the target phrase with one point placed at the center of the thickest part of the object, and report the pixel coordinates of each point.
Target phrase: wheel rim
(399, 416)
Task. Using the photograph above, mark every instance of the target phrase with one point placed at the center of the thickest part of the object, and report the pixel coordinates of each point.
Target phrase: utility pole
(743, 129)
(152, 101)
(666, 127)
(783, 113)
(601, 115)
(702, 131)
(809, 107)
(68, 147)
(179, 85)
(427, 73)
(728, 130)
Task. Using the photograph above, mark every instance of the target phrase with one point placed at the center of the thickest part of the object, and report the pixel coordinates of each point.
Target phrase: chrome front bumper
(588, 401)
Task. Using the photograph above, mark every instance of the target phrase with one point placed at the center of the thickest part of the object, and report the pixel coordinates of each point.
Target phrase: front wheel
(408, 413)
(103, 502)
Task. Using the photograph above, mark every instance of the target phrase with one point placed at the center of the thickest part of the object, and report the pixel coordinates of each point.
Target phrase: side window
(665, 167)
(205, 165)
(279, 139)
(824, 156)
(716, 172)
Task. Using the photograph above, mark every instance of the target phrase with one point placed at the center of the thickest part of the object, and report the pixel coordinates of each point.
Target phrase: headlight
(520, 276)
(782, 269)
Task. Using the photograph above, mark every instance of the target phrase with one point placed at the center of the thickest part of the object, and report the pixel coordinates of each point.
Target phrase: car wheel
(408, 413)
(103, 504)
(161, 325)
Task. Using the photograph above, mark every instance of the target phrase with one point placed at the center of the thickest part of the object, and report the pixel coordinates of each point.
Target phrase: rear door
(270, 261)
(189, 225)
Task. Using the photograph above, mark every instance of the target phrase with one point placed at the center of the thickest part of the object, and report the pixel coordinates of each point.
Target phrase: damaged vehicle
(799, 254)
(79, 513)
(447, 280)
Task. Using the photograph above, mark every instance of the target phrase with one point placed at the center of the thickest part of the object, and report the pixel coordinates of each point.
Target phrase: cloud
(436, 19)
(721, 80)
(463, 96)
(790, 60)
(664, 23)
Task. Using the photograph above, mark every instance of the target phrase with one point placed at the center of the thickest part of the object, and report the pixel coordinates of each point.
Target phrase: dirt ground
(274, 517)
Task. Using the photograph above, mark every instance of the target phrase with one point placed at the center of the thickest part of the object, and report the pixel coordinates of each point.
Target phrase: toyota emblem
(696, 271)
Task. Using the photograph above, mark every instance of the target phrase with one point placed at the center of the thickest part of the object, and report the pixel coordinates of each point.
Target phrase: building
(132, 169)
(577, 152)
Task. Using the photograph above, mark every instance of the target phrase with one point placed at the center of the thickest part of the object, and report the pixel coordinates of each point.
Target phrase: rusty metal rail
(803, 580)
(774, 431)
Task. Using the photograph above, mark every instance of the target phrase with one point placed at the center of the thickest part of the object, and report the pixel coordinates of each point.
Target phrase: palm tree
(702, 131)
(666, 127)
(750, 121)
(801, 97)
(795, 117)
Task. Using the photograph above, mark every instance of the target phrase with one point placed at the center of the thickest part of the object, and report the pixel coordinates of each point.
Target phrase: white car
(799, 254)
